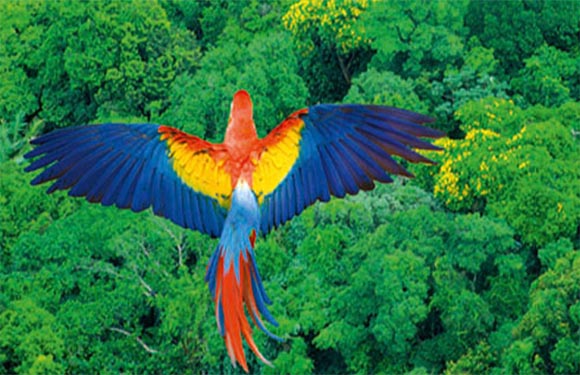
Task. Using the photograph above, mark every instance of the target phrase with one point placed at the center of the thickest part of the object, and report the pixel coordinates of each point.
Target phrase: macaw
(237, 189)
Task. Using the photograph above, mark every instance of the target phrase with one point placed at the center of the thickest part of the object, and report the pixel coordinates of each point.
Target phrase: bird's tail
(234, 281)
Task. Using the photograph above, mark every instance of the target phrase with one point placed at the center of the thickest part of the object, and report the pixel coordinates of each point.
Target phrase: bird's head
(241, 127)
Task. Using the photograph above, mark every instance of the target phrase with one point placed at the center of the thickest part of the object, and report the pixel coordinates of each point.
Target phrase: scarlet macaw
(235, 189)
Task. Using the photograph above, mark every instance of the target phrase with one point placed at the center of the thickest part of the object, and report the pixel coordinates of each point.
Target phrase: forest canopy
(471, 267)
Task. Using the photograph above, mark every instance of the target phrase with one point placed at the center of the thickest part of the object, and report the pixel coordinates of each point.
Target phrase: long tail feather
(235, 282)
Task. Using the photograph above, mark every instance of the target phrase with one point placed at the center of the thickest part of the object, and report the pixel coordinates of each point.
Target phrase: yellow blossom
(335, 22)
(447, 181)
(483, 166)
(465, 191)
(484, 133)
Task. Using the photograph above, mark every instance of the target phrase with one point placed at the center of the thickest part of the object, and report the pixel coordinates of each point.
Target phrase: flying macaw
(237, 189)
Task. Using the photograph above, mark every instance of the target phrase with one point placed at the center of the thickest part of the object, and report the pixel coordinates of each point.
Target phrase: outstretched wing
(334, 150)
(136, 167)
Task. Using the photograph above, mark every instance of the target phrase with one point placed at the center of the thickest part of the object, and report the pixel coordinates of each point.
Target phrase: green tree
(28, 339)
(71, 62)
(526, 174)
(546, 338)
(406, 265)
(416, 39)
(549, 78)
(475, 79)
(332, 49)
(509, 28)
(14, 135)
(384, 88)
(24, 208)
(267, 69)
(516, 29)
(427, 45)
(120, 296)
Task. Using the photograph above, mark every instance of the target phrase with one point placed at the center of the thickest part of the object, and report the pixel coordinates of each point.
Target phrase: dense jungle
(472, 267)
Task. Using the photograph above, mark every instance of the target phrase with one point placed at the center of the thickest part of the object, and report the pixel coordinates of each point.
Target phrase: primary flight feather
(237, 189)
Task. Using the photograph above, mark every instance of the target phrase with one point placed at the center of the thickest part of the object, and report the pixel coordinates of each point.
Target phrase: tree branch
(343, 68)
(178, 241)
(137, 338)
(144, 283)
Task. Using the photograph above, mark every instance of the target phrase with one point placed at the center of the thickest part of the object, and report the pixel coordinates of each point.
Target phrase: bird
(236, 190)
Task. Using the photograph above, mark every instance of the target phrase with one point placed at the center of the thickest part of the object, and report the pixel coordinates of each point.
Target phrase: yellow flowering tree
(333, 46)
(520, 165)
(333, 21)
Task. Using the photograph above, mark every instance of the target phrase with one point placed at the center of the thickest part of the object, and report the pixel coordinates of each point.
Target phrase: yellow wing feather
(196, 162)
(281, 149)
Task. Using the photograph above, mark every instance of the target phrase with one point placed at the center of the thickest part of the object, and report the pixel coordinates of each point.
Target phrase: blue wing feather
(110, 191)
(330, 169)
(345, 173)
(343, 149)
(125, 165)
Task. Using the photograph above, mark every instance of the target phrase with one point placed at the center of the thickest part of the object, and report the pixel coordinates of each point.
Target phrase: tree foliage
(330, 47)
(521, 165)
(473, 267)
(116, 58)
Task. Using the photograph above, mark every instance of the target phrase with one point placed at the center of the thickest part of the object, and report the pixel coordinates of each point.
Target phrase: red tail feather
(231, 296)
